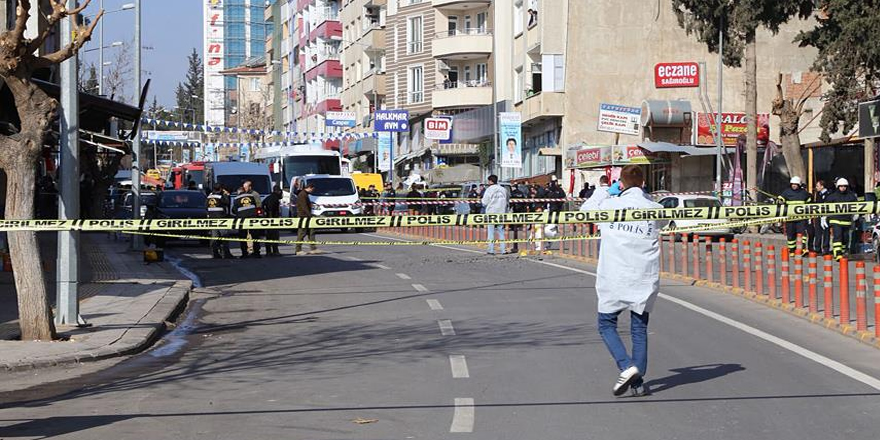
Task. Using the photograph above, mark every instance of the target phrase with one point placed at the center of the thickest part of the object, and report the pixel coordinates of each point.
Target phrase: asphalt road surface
(446, 342)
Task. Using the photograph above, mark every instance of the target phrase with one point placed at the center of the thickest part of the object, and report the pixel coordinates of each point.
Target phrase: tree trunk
(34, 313)
(751, 85)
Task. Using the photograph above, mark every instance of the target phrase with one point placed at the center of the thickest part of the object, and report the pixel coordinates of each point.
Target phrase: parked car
(148, 199)
(179, 204)
(696, 201)
(333, 196)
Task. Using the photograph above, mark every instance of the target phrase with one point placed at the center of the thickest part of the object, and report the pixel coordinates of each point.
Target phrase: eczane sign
(670, 75)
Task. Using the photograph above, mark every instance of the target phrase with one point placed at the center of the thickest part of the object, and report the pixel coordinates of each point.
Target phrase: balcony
(462, 94)
(462, 44)
(330, 68)
(542, 105)
(374, 37)
(374, 82)
(460, 4)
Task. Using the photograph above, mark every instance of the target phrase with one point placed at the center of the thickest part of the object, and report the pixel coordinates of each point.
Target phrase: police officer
(840, 224)
(821, 243)
(218, 207)
(795, 195)
(245, 206)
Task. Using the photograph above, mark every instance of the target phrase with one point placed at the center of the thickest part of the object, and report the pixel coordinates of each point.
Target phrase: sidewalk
(126, 301)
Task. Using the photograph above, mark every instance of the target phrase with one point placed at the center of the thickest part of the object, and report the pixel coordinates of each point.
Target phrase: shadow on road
(55, 426)
(691, 375)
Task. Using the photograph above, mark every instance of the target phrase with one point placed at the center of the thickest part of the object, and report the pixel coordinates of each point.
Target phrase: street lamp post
(124, 7)
(136, 240)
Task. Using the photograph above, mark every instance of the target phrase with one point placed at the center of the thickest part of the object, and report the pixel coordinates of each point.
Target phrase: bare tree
(19, 59)
(120, 74)
(790, 111)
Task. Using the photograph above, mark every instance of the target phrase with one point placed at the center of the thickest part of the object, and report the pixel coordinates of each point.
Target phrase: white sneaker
(640, 390)
(624, 380)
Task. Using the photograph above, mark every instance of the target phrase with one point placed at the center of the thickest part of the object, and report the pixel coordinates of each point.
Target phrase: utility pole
(136, 240)
(718, 140)
(68, 241)
(101, 52)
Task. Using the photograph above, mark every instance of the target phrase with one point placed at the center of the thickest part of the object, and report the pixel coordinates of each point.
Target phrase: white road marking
(459, 367)
(403, 276)
(434, 304)
(790, 346)
(379, 266)
(463, 419)
(420, 288)
(446, 328)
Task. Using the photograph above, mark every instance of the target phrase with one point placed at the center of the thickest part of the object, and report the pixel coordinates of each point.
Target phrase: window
(453, 24)
(416, 85)
(414, 32)
(467, 23)
(482, 19)
(482, 74)
(467, 74)
(518, 86)
(518, 17)
(554, 79)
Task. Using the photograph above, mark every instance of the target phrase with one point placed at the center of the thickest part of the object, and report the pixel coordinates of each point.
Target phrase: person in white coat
(495, 201)
(628, 276)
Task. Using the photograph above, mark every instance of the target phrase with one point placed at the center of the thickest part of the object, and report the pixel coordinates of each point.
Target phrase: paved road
(439, 343)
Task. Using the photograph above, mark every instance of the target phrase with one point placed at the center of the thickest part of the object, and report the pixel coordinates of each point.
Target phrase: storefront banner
(732, 126)
(384, 151)
(588, 156)
(620, 119)
(635, 155)
(511, 139)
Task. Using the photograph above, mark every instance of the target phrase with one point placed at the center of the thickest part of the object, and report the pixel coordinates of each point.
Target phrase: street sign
(671, 75)
(392, 120)
(340, 119)
(869, 119)
(438, 129)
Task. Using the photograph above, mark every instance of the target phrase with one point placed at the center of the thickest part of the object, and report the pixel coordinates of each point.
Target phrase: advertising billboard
(510, 137)
(215, 93)
(732, 126)
(620, 119)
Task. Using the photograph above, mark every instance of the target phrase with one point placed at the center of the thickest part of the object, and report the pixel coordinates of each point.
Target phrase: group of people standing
(243, 203)
(825, 235)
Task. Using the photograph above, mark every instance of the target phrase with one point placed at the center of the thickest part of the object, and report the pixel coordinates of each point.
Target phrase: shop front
(588, 163)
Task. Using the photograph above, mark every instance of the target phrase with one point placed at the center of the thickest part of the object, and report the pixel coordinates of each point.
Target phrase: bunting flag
(301, 137)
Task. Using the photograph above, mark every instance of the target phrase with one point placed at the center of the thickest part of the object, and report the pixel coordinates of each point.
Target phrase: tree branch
(59, 12)
(83, 34)
(22, 14)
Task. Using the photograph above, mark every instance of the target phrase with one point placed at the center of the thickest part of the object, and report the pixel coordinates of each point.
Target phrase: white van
(233, 174)
(333, 195)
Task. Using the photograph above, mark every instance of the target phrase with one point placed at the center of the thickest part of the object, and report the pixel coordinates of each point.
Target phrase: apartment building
(318, 37)
(442, 57)
(363, 64)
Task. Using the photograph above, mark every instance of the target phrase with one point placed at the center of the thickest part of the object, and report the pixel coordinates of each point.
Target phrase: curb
(133, 340)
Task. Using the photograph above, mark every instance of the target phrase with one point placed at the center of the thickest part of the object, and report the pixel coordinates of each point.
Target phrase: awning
(690, 150)
(550, 152)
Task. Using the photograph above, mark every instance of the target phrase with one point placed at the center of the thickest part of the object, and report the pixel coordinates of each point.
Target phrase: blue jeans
(490, 235)
(639, 334)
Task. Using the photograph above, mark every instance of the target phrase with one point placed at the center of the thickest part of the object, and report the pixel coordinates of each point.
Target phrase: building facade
(234, 30)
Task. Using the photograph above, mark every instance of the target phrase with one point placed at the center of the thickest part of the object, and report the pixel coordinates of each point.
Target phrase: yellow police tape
(352, 222)
(440, 242)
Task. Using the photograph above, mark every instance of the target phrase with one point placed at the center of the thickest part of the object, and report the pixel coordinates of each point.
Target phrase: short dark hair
(820, 182)
(218, 187)
(509, 140)
(493, 178)
(603, 180)
(632, 176)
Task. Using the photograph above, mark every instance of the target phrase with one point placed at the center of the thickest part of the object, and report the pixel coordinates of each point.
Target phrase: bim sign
(669, 75)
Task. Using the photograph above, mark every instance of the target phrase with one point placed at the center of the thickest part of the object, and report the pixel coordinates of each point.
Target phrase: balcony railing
(464, 84)
(416, 97)
(414, 47)
(463, 32)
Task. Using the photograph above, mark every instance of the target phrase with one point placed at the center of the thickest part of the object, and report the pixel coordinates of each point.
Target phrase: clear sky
(171, 27)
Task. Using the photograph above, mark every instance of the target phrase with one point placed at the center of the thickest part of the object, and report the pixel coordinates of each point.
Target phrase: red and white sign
(732, 126)
(438, 129)
(671, 75)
